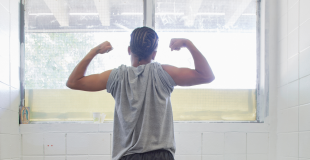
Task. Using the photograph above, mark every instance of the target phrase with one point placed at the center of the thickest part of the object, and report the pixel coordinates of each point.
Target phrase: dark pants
(152, 155)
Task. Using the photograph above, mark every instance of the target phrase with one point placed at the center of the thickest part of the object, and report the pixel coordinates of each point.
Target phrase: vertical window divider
(262, 93)
(22, 52)
(149, 13)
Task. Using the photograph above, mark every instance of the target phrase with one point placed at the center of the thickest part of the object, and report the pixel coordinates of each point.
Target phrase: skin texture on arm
(96, 82)
(185, 76)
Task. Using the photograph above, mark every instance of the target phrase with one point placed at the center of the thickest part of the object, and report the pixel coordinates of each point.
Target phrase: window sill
(73, 127)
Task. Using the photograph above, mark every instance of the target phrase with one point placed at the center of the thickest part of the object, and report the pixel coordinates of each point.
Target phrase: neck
(142, 62)
(135, 61)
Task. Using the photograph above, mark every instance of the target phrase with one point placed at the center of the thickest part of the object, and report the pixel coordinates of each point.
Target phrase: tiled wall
(195, 141)
(293, 108)
(9, 80)
(284, 135)
(92, 141)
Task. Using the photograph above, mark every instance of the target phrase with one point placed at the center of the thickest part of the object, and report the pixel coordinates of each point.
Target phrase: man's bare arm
(185, 76)
(96, 82)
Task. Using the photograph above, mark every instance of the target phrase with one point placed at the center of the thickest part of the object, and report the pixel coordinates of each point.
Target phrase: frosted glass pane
(225, 33)
(223, 30)
(58, 34)
(187, 104)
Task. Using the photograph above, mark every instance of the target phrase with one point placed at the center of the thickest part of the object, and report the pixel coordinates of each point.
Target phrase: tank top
(143, 119)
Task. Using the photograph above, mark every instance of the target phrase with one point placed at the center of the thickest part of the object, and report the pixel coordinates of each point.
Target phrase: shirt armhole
(171, 81)
(111, 80)
(166, 79)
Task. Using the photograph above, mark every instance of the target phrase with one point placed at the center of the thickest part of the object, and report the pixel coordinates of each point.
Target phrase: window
(58, 34)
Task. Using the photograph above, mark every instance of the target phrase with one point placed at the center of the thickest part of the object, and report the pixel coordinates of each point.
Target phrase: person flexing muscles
(143, 122)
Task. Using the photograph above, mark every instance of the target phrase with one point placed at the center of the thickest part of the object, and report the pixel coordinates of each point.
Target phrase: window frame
(262, 82)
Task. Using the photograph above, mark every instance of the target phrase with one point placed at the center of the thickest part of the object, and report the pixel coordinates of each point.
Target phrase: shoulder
(117, 72)
(171, 70)
(164, 68)
(123, 67)
(114, 77)
(156, 65)
(165, 72)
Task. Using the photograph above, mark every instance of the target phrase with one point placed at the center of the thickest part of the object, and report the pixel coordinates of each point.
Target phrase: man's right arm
(185, 76)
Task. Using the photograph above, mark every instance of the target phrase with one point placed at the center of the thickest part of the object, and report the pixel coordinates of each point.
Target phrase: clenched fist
(104, 47)
(177, 43)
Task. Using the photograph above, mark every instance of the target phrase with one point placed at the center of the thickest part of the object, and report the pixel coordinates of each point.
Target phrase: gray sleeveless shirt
(143, 115)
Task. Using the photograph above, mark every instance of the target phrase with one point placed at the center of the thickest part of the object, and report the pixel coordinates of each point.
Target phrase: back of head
(143, 42)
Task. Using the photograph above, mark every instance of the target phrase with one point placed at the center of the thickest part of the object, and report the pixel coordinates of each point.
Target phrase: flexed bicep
(95, 82)
(184, 76)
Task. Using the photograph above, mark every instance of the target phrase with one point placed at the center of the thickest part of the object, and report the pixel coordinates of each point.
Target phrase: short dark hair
(143, 42)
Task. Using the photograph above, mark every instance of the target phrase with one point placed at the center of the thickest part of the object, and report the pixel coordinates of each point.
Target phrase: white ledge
(108, 127)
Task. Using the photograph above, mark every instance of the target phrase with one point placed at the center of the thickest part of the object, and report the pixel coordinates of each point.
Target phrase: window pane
(58, 35)
(225, 33)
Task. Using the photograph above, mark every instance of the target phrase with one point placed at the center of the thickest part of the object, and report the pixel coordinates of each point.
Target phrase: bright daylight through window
(58, 34)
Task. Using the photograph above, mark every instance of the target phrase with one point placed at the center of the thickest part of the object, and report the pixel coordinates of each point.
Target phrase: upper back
(138, 79)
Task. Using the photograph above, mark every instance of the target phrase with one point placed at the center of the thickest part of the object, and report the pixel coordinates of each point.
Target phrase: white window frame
(262, 85)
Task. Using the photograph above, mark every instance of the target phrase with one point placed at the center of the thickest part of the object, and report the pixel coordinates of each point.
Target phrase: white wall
(293, 133)
(9, 80)
(195, 141)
